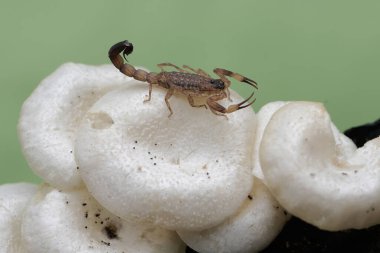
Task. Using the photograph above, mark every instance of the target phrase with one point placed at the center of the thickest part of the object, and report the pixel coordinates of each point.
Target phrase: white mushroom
(50, 117)
(13, 200)
(263, 117)
(316, 173)
(251, 229)
(188, 171)
(57, 221)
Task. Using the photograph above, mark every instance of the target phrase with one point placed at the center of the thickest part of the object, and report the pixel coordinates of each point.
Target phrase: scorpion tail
(126, 48)
(114, 53)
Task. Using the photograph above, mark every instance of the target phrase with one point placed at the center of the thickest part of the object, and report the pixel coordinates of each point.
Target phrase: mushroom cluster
(121, 176)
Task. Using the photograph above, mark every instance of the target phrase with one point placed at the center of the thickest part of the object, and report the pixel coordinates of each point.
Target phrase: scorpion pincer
(188, 81)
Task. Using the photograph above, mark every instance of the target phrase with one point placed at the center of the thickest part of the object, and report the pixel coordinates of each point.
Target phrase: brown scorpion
(188, 81)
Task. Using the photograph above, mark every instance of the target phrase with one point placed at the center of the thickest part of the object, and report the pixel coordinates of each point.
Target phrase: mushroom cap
(13, 200)
(316, 173)
(188, 171)
(73, 221)
(250, 229)
(263, 117)
(50, 116)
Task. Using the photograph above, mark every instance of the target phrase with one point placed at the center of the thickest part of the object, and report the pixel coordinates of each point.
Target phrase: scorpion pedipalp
(223, 73)
(250, 82)
(241, 106)
(218, 109)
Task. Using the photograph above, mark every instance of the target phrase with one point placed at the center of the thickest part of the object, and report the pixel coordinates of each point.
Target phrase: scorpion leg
(198, 71)
(191, 102)
(162, 65)
(150, 93)
(218, 109)
(167, 96)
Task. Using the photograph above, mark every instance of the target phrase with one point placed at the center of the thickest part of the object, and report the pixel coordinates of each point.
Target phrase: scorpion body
(190, 82)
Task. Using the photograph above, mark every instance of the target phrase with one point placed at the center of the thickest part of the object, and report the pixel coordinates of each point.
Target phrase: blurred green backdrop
(324, 51)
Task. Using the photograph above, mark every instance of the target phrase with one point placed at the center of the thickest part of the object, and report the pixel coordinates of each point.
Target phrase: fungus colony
(120, 176)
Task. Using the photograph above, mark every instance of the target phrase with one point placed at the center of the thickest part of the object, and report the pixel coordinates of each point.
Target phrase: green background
(325, 51)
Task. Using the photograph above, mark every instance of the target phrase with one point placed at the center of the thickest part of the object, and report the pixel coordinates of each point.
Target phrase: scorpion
(188, 81)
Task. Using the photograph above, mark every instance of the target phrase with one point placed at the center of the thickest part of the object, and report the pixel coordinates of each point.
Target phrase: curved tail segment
(125, 48)
(114, 53)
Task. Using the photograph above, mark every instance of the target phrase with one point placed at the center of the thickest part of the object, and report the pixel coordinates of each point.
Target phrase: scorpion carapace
(188, 81)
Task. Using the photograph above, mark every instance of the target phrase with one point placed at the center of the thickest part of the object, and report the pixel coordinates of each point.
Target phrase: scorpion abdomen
(190, 81)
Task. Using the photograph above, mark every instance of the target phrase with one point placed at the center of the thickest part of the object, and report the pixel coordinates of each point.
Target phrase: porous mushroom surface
(316, 173)
(188, 171)
(57, 221)
(13, 200)
(50, 116)
(249, 230)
